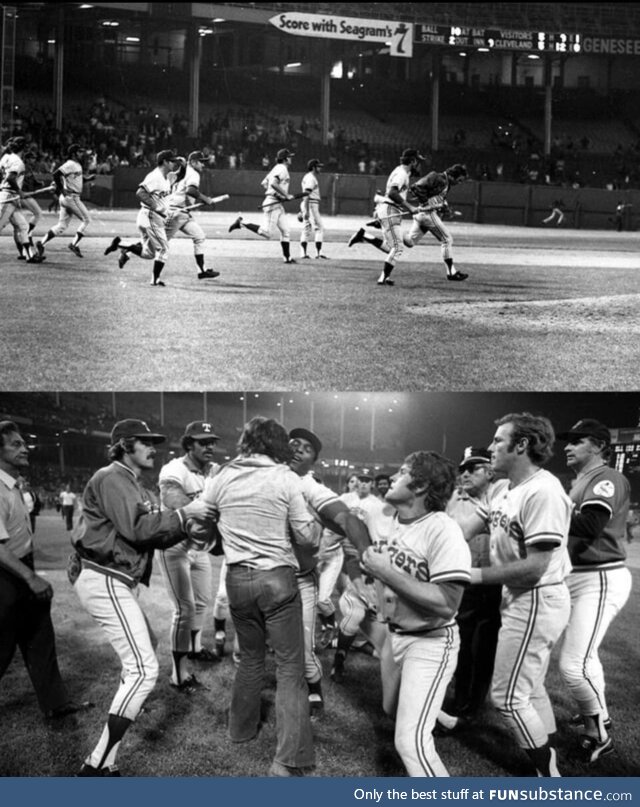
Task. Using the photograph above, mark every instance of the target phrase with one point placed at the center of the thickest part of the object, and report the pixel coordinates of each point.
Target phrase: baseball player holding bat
(152, 192)
(68, 179)
(12, 173)
(185, 187)
(600, 582)
(276, 186)
(423, 569)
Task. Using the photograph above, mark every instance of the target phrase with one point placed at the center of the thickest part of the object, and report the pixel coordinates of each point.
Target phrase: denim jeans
(266, 605)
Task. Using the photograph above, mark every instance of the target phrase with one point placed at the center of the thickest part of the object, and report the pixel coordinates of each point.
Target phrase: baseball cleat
(75, 250)
(236, 224)
(89, 770)
(22, 257)
(123, 259)
(305, 257)
(189, 685)
(457, 276)
(289, 260)
(40, 248)
(386, 282)
(374, 223)
(208, 273)
(278, 769)
(112, 246)
(204, 655)
(157, 283)
(356, 238)
(592, 749)
(322, 257)
(36, 259)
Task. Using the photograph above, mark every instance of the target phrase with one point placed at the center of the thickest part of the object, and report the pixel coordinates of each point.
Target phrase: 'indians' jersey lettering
(607, 488)
(71, 175)
(537, 511)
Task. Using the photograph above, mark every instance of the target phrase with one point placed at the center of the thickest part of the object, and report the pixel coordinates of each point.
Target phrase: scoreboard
(625, 445)
(498, 39)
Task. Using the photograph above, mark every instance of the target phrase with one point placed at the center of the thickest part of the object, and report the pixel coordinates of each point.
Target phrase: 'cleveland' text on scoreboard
(498, 39)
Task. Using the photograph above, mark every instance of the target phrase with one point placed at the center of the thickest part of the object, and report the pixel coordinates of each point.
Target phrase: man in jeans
(261, 504)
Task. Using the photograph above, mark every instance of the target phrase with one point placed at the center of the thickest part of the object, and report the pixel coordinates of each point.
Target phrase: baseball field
(543, 309)
(185, 735)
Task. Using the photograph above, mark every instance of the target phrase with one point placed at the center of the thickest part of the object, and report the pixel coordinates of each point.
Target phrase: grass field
(180, 735)
(542, 310)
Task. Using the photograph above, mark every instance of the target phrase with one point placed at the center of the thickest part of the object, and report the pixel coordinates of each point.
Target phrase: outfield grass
(180, 735)
(542, 310)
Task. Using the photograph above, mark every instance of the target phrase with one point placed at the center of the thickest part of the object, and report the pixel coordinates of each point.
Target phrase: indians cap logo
(604, 488)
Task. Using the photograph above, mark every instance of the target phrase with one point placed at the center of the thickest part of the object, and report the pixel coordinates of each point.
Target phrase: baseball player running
(12, 173)
(424, 569)
(152, 193)
(600, 583)
(528, 520)
(187, 570)
(185, 191)
(123, 525)
(68, 180)
(276, 186)
(328, 510)
(389, 211)
(309, 214)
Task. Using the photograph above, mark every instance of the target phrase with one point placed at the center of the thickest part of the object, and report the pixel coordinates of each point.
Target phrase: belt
(105, 570)
(433, 632)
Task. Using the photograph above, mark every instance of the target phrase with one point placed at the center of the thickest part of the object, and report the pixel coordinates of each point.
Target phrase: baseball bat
(282, 201)
(48, 189)
(214, 201)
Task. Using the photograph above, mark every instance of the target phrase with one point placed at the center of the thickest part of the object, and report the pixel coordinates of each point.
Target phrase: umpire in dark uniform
(25, 598)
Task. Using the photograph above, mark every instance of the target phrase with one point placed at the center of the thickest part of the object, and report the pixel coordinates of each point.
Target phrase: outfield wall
(352, 194)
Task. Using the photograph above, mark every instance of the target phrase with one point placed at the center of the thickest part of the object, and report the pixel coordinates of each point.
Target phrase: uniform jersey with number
(279, 174)
(607, 488)
(10, 164)
(310, 183)
(537, 511)
(157, 186)
(431, 550)
(71, 175)
(179, 196)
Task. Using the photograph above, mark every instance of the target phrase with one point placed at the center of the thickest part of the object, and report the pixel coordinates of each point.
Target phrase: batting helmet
(315, 163)
(409, 155)
(17, 143)
(196, 156)
(74, 148)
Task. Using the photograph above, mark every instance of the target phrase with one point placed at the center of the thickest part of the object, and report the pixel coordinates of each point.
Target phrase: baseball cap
(588, 427)
(411, 154)
(165, 155)
(134, 428)
(18, 143)
(315, 163)
(365, 476)
(305, 434)
(199, 430)
(457, 170)
(284, 153)
(196, 155)
(475, 456)
(74, 148)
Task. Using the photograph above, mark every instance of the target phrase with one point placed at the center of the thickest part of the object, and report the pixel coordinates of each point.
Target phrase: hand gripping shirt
(179, 196)
(432, 550)
(605, 487)
(536, 511)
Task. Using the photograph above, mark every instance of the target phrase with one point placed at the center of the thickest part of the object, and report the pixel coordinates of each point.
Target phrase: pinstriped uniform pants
(416, 671)
(114, 606)
(596, 599)
(532, 622)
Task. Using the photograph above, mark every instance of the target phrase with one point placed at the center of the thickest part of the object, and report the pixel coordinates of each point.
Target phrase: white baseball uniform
(151, 225)
(274, 215)
(311, 185)
(71, 204)
(420, 653)
(181, 220)
(390, 215)
(534, 512)
(599, 585)
(9, 202)
(186, 571)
